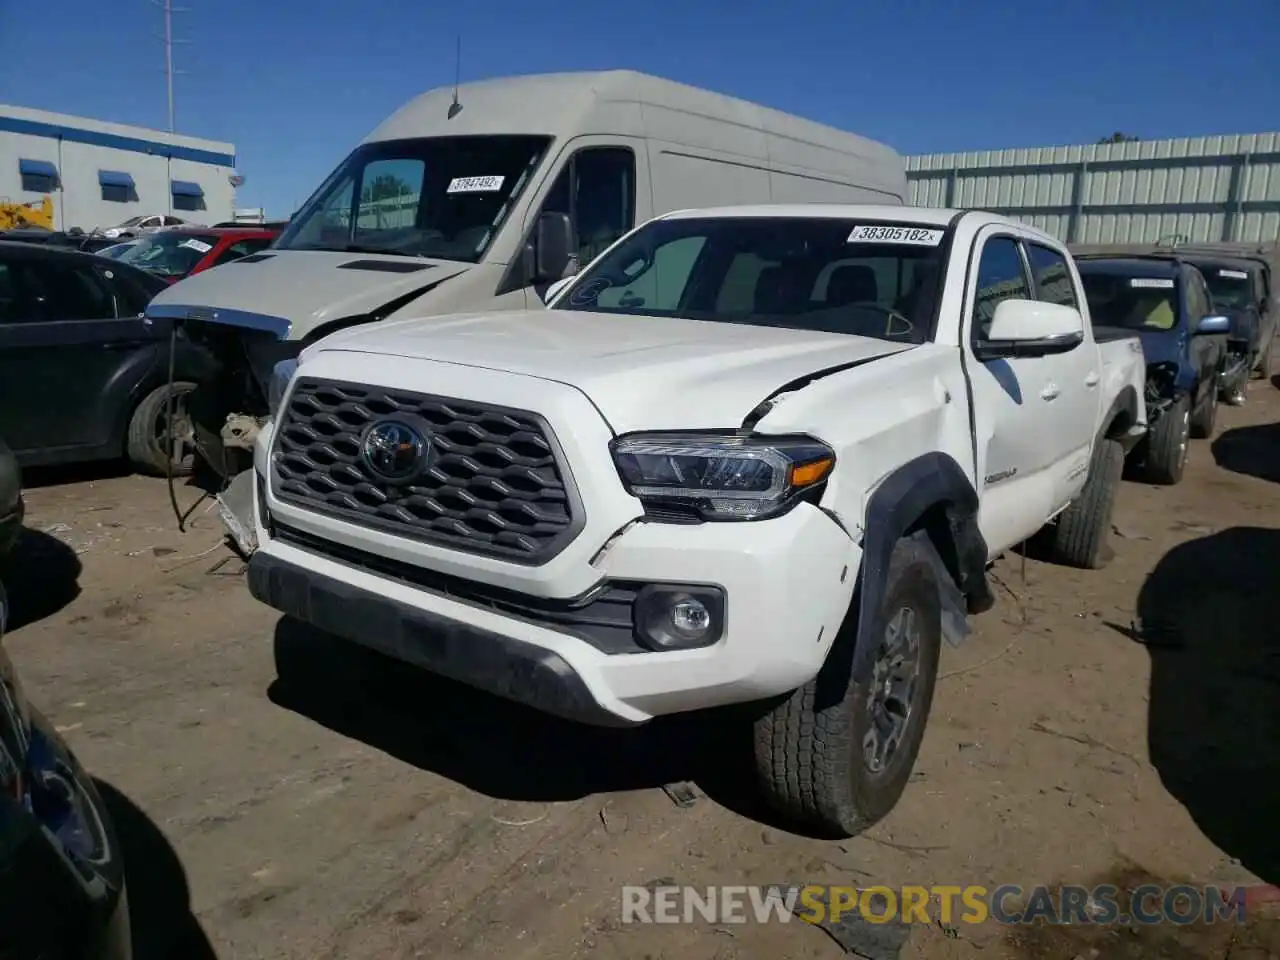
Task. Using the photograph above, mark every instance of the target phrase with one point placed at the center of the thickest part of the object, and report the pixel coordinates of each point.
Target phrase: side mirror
(553, 247)
(1213, 324)
(1030, 328)
(553, 291)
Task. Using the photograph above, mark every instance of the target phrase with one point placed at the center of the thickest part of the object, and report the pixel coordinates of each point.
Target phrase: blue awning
(115, 178)
(185, 188)
(37, 168)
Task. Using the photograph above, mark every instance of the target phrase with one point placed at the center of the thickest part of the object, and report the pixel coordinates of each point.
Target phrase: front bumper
(787, 584)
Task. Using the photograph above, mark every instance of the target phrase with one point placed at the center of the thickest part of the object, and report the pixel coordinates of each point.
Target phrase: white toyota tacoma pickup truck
(748, 455)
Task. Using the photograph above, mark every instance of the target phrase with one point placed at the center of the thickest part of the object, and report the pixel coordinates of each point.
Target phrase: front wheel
(151, 442)
(836, 754)
(1203, 420)
(1166, 445)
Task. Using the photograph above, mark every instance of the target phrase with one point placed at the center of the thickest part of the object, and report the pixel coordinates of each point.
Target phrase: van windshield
(443, 197)
(817, 274)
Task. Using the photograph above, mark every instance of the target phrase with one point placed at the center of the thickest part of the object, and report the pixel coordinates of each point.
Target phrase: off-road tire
(1081, 533)
(808, 747)
(142, 447)
(1166, 445)
(1205, 416)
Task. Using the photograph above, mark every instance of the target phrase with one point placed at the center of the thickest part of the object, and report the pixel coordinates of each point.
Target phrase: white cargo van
(479, 199)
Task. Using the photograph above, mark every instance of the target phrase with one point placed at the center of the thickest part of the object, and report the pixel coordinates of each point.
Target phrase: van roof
(606, 102)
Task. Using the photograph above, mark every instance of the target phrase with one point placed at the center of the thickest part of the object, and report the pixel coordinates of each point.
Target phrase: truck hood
(307, 287)
(642, 373)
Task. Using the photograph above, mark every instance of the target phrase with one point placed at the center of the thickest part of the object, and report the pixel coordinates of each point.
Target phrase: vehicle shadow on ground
(160, 917)
(1209, 615)
(1254, 451)
(41, 576)
(499, 748)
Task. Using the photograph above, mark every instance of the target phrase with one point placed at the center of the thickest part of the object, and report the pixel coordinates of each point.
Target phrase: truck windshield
(1132, 303)
(818, 274)
(440, 197)
(1229, 287)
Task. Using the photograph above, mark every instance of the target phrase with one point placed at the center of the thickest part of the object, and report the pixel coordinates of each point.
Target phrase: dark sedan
(83, 374)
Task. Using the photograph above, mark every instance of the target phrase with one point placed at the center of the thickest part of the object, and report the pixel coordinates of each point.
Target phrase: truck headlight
(281, 374)
(722, 476)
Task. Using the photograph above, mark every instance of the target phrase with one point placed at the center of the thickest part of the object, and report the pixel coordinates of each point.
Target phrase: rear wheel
(1079, 539)
(1167, 444)
(836, 754)
(151, 443)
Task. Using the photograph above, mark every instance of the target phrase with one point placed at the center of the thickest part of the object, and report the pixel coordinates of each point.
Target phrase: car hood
(306, 287)
(642, 373)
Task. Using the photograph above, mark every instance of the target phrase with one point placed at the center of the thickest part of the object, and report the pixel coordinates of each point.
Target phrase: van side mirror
(553, 247)
(1030, 328)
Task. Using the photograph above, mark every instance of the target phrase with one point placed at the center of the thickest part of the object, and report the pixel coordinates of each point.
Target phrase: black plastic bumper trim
(489, 661)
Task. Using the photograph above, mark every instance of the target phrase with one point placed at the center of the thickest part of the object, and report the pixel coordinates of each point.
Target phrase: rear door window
(1051, 276)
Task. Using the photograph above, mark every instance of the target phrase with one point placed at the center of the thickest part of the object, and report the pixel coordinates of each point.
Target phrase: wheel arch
(1121, 417)
(929, 495)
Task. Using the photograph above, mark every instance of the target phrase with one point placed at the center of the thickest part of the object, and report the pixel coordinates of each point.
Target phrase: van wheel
(1080, 535)
(1166, 444)
(836, 754)
(147, 432)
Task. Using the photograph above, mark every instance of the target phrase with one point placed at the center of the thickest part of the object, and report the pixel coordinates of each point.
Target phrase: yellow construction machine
(17, 216)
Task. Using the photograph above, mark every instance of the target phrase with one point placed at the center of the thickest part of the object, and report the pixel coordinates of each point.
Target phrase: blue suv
(1166, 301)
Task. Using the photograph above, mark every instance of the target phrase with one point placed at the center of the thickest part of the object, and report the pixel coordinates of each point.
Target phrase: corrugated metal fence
(1203, 189)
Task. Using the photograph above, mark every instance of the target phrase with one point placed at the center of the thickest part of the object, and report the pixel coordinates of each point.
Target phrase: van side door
(602, 184)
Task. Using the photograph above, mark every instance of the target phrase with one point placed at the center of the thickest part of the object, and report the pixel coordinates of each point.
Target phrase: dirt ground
(283, 795)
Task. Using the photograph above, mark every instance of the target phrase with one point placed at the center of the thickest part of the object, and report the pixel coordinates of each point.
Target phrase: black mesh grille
(492, 483)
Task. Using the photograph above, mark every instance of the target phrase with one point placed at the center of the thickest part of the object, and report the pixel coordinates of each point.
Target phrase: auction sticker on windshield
(1152, 283)
(915, 236)
(1233, 274)
(197, 245)
(475, 184)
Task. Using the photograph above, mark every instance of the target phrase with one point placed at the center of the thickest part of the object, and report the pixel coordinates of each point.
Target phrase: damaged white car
(750, 455)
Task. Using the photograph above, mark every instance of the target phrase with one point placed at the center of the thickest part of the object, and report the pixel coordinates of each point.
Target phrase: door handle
(1050, 392)
(1092, 379)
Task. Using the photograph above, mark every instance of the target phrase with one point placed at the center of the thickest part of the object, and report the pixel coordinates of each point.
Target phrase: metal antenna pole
(168, 57)
(169, 41)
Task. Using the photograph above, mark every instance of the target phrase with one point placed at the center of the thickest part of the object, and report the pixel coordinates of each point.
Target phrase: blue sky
(294, 85)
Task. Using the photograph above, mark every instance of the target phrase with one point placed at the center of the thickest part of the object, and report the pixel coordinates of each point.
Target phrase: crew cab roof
(924, 216)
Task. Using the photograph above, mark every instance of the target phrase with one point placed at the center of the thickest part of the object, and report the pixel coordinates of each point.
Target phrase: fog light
(679, 617)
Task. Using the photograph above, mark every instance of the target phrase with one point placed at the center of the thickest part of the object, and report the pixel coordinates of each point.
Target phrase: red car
(177, 253)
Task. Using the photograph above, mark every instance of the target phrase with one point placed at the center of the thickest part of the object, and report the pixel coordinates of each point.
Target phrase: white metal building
(100, 174)
(1203, 189)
